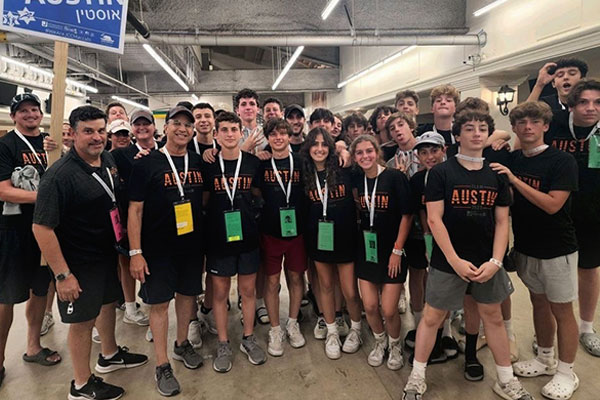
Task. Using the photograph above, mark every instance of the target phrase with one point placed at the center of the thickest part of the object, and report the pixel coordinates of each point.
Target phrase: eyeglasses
(178, 124)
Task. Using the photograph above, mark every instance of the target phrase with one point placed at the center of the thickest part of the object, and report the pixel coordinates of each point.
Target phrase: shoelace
(515, 388)
(223, 351)
(167, 372)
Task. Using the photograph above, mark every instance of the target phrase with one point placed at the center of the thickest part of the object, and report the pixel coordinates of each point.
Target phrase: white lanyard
(371, 205)
(230, 192)
(140, 148)
(197, 147)
(110, 192)
(186, 162)
(426, 176)
(322, 196)
(35, 154)
(535, 150)
(469, 158)
(278, 176)
(561, 103)
(573, 129)
(452, 139)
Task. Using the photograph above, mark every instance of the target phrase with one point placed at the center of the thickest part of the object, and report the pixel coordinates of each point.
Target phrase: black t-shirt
(585, 209)
(537, 233)
(296, 147)
(417, 189)
(392, 201)
(72, 202)
(201, 146)
(447, 134)
(274, 197)
(470, 198)
(14, 153)
(219, 203)
(555, 105)
(153, 182)
(389, 151)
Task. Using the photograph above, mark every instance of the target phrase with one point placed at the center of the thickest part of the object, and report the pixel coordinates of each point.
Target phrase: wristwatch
(62, 276)
(134, 252)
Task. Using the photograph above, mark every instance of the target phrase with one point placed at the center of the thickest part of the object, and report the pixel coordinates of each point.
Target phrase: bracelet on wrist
(496, 262)
(134, 252)
(398, 252)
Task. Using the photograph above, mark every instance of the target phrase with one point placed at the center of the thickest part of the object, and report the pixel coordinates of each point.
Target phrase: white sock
(291, 321)
(356, 325)
(545, 354)
(505, 374)
(418, 369)
(393, 341)
(379, 336)
(276, 328)
(565, 369)
(109, 356)
(586, 327)
(418, 315)
(130, 307)
(78, 387)
(509, 329)
(446, 330)
(332, 328)
(260, 303)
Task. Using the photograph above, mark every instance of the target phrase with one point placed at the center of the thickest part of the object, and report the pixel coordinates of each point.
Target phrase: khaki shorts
(554, 277)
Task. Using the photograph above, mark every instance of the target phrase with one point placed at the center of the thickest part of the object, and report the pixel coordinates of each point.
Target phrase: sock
(78, 387)
(419, 369)
(471, 347)
(276, 328)
(260, 303)
(332, 328)
(338, 314)
(446, 330)
(394, 341)
(565, 369)
(291, 321)
(205, 310)
(130, 307)
(109, 356)
(545, 353)
(509, 329)
(481, 330)
(586, 327)
(356, 325)
(505, 374)
(379, 336)
(418, 315)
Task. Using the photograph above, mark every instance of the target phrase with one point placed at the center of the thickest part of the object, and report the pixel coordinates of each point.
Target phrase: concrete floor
(299, 374)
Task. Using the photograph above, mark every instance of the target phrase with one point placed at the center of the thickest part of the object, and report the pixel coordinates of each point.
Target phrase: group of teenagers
(355, 206)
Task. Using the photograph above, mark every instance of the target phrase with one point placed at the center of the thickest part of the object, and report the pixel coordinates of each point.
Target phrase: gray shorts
(446, 291)
(554, 277)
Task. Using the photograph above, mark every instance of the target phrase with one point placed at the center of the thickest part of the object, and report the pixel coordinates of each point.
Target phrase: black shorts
(415, 253)
(99, 284)
(242, 264)
(378, 273)
(170, 274)
(20, 269)
(589, 249)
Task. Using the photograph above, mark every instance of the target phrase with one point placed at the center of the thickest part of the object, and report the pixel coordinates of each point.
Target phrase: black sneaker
(96, 389)
(166, 383)
(409, 340)
(123, 359)
(473, 370)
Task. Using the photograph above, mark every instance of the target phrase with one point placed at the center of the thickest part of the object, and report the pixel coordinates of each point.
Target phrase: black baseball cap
(22, 98)
(141, 113)
(179, 110)
(293, 107)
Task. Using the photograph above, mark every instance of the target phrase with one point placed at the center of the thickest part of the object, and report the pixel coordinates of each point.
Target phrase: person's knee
(562, 311)
(432, 319)
(491, 314)
(389, 312)
(371, 307)
(82, 327)
(246, 290)
(273, 282)
(161, 308)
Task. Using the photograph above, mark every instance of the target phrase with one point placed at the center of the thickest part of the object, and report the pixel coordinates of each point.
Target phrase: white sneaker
(333, 346)
(149, 337)
(377, 355)
(352, 342)
(195, 334)
(137, 318)
(95, 335)
(395, 359)
(276, 338)
(402, 302)
(320, 331)
(513, 390)
(47, 323)
(342, 326)
(296, 338)
(414, 389)
(208, 321)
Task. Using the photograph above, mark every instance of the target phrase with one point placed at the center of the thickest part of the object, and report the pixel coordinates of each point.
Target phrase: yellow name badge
(183, 217)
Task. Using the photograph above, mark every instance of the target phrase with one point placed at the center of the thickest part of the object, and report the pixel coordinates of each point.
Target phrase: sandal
(262, 316)
(591, 343)
(473, 371)
(42, 357)
(534, 367)
(560, 387)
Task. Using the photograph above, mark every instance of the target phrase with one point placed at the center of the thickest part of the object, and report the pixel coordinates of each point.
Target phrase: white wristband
(498, 263)
(398, 252)
(134, 252)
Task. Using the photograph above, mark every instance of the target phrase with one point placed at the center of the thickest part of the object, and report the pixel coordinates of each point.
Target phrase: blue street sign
(91, 23)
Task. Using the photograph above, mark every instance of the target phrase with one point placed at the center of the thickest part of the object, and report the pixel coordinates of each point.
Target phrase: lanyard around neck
(323, 195)
(287, 192)
(197, 146)
(111, 193)
(140, 148)
(230, 192)
(35, 154)
(572, 128)
(186, 162)
(371, 204)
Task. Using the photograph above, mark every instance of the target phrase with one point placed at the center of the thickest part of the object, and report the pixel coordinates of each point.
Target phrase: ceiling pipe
(140, 27)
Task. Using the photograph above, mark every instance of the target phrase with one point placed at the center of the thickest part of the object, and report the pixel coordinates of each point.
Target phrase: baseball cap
(137, 114)
(22, 98)
(430, 137)
(119, 125)
(293, 107)
(179, 110)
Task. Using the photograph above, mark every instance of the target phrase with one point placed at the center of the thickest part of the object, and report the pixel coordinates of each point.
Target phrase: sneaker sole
(334, 357)
(133, 322)
(394, 368)
(320, 337)
(253, 362)
(173, 393)
(188, 366)
(498, 390)
(297, 345)
(351, 351)
(222, 371)
(71, 397)
(115, 367)
(373, 364)
(274, 354)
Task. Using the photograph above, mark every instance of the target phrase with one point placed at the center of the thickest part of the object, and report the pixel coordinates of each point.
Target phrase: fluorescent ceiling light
(48, 74)
(287, 67)
(166, 66)
(195, 98)
(489, 7)
(131, 103)
(375, 66)
(329, 8)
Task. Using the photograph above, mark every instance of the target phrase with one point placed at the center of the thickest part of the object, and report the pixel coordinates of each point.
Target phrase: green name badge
(287, 219)
(233, 226)
(325, 236)
(428, 245)
(370, 246)
(594, 153)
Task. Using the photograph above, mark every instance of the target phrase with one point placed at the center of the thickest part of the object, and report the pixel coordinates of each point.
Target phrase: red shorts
(273, 251)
